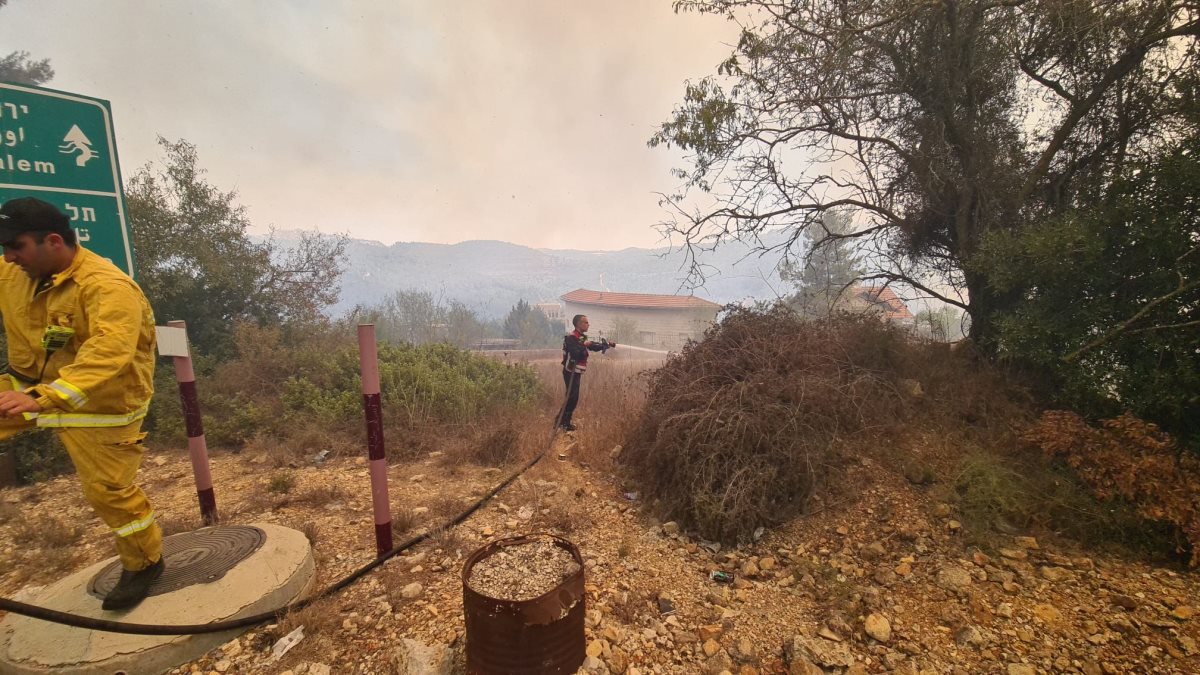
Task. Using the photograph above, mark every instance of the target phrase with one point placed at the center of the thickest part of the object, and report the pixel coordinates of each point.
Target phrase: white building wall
(665, 328)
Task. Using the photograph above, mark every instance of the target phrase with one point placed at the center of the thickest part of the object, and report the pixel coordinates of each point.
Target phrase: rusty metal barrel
(539, 636)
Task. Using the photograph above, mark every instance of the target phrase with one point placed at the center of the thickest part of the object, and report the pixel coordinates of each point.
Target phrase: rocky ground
(882, 583)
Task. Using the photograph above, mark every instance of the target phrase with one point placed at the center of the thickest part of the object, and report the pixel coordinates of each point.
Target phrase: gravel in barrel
(523, 571)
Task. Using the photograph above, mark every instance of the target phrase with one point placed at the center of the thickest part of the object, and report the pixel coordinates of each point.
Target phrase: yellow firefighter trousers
(107, 460)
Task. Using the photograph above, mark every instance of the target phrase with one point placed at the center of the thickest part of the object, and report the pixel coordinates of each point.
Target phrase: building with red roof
(884, 301)
(642, 319)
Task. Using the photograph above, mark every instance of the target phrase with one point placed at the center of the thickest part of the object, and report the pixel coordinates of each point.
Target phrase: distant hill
(491, 276)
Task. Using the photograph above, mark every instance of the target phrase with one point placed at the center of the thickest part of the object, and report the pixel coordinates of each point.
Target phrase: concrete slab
(279, 571)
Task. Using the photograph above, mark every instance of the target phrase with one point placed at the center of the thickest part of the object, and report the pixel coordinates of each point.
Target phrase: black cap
(27, 214)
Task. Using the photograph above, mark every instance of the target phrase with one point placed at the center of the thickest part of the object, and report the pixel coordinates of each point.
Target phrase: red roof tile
(584, 296)
(894, 307)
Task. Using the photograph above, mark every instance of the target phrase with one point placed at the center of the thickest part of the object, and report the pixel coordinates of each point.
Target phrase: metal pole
(197, 447)
(368, 360)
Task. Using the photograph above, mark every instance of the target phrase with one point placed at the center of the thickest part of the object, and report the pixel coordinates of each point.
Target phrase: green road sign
(61, 147)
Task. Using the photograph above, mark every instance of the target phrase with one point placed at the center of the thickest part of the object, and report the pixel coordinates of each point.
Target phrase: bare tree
(936, 122)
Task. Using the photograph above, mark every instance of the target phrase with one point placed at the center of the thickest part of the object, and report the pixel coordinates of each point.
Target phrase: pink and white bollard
(194, 423)
(368, 359)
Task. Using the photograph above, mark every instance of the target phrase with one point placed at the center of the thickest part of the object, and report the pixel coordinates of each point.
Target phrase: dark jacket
(575, 351)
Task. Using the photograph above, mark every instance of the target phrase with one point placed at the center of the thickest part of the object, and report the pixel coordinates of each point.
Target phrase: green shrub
(281, 483)
(996, 493)
(284, 383)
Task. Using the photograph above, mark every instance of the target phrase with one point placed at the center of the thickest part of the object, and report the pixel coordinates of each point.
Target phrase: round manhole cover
(198, 557)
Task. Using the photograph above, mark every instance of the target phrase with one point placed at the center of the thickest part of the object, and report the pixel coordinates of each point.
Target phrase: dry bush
(447, 539)
(42, 530)
(739, 429)
(404, 520)
(281, 483)
(1129, 459)
(321, 494)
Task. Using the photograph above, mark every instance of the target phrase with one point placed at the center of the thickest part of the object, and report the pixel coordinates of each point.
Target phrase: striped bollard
(368, 360)
(197, 447)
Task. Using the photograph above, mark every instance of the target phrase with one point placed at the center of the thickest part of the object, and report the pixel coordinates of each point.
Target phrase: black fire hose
(68, 619)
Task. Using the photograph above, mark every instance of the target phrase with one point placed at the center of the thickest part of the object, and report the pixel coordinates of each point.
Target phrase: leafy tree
(530, 326)
(463, 326)
(20, 68)
(197, 262)
(828, 270)
(417, 317)
(625, 329)
(937, 123)
(1110, 298)
(943, 324)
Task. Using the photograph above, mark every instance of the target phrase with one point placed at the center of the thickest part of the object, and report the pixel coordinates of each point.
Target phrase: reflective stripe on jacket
(104, 374)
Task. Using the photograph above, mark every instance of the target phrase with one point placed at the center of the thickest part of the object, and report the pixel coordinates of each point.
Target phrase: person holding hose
(81, 361)
(576, 346)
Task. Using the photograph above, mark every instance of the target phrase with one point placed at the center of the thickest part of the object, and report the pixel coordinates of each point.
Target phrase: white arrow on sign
(77, 141)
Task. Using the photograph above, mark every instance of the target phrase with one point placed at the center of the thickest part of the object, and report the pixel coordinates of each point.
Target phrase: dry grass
(312, 532)
(301, 446)
(40, 530)
(8, 512)
(322, 494)
(254, 503)
(447, 539)
(322, 623)
(561, 519)
(610, 395)
(404, 520)
(178, 523)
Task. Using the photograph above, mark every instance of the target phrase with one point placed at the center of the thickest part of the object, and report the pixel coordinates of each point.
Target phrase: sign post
(60, 148)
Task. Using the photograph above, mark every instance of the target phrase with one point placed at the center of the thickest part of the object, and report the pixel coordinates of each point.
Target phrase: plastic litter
(721, 577)
(286, 642)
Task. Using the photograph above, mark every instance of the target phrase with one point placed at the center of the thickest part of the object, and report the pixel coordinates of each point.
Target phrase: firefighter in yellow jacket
(81, 361)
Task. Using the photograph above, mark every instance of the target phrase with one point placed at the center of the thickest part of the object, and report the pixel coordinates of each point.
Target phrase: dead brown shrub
(404, 520)
(1127, 458)
(739, 429)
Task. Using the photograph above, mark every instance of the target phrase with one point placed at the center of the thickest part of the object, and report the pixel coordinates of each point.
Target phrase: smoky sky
(518, 120)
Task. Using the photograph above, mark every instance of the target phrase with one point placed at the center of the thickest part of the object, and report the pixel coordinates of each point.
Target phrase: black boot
(133, 587)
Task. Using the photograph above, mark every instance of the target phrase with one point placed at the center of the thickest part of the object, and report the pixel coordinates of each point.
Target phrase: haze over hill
(491, 276)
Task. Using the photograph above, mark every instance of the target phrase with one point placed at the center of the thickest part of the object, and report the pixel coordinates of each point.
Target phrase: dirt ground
(881, 583)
